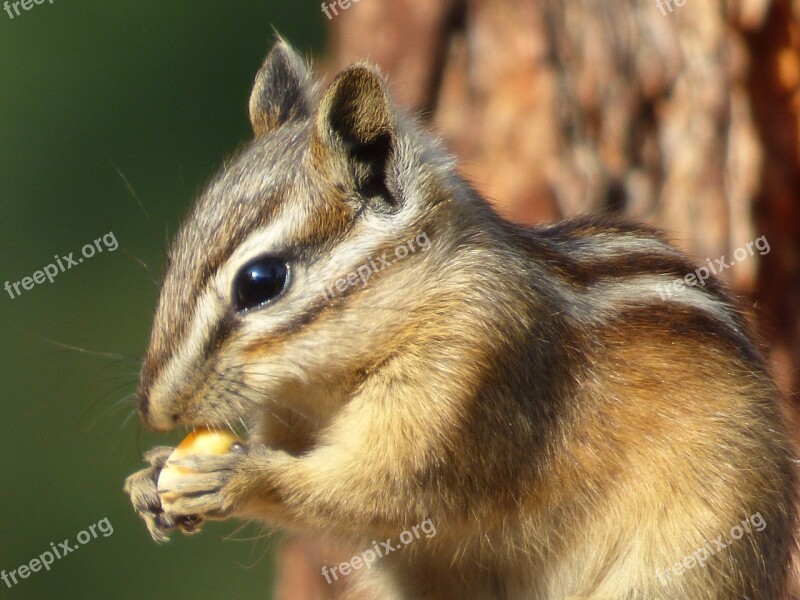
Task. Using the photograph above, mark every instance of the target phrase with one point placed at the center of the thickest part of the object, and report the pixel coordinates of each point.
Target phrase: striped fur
(570, 433)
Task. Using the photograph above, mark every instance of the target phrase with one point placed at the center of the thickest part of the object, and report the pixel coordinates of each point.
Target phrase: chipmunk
(569, 432)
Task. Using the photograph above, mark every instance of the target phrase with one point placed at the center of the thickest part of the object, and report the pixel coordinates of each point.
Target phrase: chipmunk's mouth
(239, 428)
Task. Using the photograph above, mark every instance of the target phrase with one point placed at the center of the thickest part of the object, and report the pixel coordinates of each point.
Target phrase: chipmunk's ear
(281, 90)
(356, 119)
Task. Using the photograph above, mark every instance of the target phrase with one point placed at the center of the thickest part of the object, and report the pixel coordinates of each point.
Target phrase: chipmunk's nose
(145, 413)
(153, 419)
(143, 402)
(144, 397)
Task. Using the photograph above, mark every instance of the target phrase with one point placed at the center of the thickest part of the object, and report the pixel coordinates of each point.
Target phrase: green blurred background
(159, 91)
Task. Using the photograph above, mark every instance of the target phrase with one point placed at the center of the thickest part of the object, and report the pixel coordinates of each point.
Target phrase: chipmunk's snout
(151, 418)
(143, 390)
(143, 402)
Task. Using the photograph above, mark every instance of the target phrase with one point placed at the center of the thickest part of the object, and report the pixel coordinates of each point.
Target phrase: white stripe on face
(308, 284)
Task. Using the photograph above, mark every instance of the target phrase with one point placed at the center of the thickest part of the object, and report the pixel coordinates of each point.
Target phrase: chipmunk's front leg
(330, 487)
(252, 489)
(351, 480)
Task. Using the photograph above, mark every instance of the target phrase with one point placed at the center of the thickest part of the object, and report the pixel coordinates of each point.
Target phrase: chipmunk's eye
(259, 281)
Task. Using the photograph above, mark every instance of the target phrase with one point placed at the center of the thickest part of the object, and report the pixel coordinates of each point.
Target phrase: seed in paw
(200, 441)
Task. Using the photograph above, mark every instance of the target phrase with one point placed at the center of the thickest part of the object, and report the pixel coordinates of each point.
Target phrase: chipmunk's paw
(142, 489)
(199, 485)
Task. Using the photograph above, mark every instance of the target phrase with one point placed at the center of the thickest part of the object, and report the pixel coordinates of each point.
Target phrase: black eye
(259, 281)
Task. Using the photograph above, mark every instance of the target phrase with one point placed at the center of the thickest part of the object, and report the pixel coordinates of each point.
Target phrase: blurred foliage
(157, 92)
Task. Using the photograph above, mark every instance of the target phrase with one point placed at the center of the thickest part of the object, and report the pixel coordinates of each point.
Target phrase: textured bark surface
(685, 118)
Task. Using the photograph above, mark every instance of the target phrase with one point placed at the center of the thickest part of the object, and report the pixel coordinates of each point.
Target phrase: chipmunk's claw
(142, 490)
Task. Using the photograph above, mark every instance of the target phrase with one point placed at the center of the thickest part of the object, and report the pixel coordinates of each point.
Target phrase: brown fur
(568, 438)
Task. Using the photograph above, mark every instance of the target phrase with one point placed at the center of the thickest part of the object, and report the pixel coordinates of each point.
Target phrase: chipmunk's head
(292, 275)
